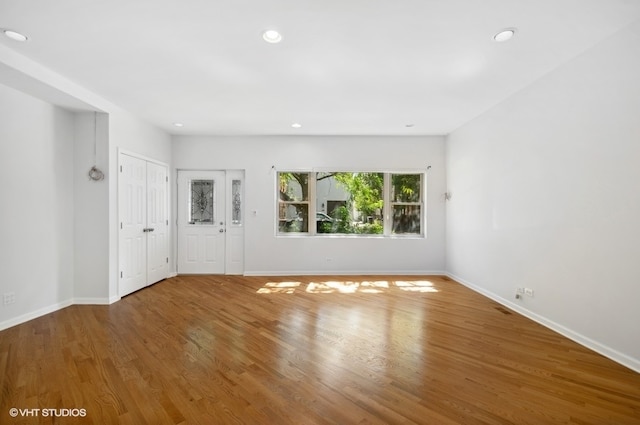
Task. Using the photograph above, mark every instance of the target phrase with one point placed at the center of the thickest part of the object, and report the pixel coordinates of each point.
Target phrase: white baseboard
(23, 318)
(616, 356)
(34, 314)
(346, 273)
(92, 301)
(172, 274)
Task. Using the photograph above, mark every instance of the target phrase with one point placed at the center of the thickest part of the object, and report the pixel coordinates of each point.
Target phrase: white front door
(143, 240)
(201, 222)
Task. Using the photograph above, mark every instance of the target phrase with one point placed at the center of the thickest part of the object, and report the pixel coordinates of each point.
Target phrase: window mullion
(423, 204)
(386, 204)
(312, 204)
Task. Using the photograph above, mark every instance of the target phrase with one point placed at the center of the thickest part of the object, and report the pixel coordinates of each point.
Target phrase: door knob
(221, 230)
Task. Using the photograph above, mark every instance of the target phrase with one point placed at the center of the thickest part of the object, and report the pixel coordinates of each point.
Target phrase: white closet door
(143, 209)
(157, 223)
(133, 241)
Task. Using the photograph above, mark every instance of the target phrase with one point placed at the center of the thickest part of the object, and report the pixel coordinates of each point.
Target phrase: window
(406, 203)
(350, 203)
(236, 196)
(201, 202)
(293, 205)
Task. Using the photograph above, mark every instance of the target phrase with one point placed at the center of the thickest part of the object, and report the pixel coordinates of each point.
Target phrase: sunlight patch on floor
(332, 286)
(347, 287)
(279, 288)
(376, 287)
(415, 285)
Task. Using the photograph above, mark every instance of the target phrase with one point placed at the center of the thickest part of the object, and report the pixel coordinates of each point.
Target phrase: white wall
(36, 213)
(546, 195)
(267, 254)
(91, 231)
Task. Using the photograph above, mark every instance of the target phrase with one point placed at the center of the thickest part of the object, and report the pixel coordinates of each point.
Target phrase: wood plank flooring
(305, 350)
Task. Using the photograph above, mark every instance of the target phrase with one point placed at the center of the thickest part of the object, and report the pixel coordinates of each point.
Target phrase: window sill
(346, 236)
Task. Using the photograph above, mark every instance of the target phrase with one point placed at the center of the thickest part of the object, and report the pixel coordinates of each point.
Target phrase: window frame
(387, 210)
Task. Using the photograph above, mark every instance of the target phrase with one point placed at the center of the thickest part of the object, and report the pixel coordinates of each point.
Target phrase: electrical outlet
(9, 298)
(528, 291)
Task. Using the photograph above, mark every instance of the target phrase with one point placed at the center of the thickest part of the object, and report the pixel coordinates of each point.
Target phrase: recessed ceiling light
(408, 125)
(272, 36)
(15, 35)
(296, 125)
(178, 124)
(505, 34)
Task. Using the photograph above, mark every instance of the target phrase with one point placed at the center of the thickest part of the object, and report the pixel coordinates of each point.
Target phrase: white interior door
(143, 241)
(133, 243)
(157, 223)
(201, 222)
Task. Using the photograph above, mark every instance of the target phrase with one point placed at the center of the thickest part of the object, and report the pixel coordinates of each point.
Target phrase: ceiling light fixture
(16, 36)
(272, 36)
(178, 124)
(504, 35)
(296, 125)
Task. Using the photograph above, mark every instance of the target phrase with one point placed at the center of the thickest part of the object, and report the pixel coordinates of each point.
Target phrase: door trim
(143, 157)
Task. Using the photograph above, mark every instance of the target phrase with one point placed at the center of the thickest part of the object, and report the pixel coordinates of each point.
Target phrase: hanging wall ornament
(94, 173)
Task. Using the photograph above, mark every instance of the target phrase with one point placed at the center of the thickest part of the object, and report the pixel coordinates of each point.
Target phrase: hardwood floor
(305, 350)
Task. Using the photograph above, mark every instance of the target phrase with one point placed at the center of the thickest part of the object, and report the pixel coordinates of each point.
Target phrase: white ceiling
(344, 66)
